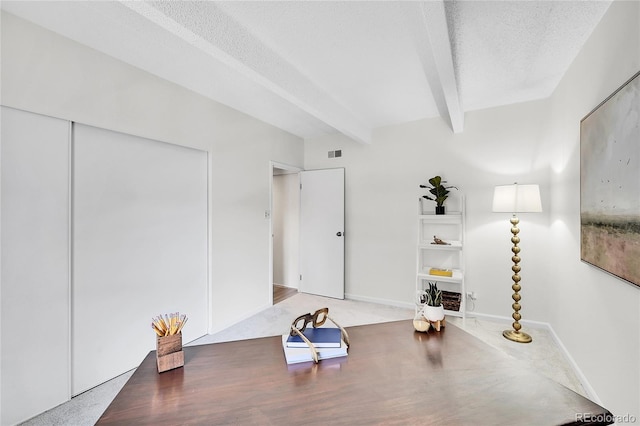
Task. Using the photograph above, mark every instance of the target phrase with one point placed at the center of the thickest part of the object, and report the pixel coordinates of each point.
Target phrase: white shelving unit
(448, 227)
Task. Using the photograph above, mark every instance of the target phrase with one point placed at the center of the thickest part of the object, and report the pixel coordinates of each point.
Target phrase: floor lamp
(516, 199)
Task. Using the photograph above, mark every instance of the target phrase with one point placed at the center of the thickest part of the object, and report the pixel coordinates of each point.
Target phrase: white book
(297, 355)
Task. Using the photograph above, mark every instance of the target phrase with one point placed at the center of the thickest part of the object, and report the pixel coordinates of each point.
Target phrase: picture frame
(610, 183)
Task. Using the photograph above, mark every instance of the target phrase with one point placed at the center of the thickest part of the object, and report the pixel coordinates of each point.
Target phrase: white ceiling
(317, 67)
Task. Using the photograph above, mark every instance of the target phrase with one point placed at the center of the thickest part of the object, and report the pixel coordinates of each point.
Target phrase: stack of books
(327, 341)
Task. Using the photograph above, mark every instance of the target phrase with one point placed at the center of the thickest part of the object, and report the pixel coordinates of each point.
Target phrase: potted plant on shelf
(439, 192)
(433, 309)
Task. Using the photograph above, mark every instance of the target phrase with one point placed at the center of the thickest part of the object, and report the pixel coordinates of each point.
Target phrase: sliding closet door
(35, 264)
(139, 248)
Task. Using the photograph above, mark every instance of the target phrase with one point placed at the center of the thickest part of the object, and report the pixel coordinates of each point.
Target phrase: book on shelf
(441, 272)
(321, 337)
(298, 355)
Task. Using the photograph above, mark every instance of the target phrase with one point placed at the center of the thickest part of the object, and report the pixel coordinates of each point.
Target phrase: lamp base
(517, 336)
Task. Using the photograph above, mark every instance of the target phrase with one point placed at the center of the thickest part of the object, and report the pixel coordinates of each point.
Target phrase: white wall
(382, 181)
(285, 216)
(534, 142)
(51, 75)
(605, 346)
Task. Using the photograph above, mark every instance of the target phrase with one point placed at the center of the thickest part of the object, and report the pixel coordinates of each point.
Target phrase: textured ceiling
(317, 67)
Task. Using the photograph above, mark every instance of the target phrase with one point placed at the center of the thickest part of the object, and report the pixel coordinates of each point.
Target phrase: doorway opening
(284, 231)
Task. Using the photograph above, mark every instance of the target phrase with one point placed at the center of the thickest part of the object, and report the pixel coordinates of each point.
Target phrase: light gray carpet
(542, 355)
(277, 319)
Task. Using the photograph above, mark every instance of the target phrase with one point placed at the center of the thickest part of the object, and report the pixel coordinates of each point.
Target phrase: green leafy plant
(439, 192)
(433, 296)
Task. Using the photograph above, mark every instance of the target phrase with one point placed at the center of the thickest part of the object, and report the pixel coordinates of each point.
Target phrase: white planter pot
(433, 313)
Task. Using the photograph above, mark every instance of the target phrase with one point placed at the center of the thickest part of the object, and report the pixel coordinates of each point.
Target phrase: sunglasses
(317, 319)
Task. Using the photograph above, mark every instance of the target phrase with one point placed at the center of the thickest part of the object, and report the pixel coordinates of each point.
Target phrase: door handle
(339, 234)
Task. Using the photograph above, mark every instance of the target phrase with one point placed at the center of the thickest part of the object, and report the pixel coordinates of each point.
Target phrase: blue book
(325, 337)
(298, 355)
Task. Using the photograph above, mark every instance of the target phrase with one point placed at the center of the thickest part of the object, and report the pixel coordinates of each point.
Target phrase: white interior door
(322, 232)
(34, 278)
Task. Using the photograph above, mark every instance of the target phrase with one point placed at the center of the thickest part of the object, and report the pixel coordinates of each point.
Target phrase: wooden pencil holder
(169, 354)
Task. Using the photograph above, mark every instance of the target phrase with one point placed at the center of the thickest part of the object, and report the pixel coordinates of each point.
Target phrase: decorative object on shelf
(441, 272)
(451, 300)
(439, 192)
(610, 183)
(168, 329)
(516, 199)
(433, 309)
(438, 241)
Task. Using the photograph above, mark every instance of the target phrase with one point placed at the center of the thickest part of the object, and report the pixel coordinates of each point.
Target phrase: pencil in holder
(169, 354)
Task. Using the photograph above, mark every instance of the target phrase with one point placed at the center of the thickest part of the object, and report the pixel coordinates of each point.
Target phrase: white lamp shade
(517, 199)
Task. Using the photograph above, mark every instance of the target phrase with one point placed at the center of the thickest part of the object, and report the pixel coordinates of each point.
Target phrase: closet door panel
(139, 248)
(35, 264)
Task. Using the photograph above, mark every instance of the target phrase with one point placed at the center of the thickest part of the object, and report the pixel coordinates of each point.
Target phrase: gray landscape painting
(610, 184)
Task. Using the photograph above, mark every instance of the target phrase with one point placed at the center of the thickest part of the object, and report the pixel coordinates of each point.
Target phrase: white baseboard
(509, 320)
(387, 302)
(583, 380)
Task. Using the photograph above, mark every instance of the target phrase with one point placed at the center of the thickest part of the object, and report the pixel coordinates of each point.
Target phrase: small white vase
(433, 313)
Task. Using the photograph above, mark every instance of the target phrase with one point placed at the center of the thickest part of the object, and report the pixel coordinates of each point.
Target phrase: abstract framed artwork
(610, 183)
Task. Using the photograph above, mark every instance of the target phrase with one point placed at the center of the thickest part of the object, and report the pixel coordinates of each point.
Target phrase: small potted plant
(439, 192)
(433, 309)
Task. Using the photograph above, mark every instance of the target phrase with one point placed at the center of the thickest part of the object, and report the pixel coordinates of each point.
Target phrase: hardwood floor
(281, 293)
(544, 355)
(388, 375)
